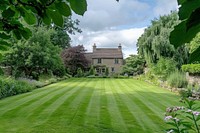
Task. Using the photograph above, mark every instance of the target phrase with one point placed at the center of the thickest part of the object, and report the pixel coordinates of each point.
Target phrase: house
(102, 58)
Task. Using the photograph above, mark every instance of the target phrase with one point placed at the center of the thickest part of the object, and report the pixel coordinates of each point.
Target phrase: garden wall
(193, 79)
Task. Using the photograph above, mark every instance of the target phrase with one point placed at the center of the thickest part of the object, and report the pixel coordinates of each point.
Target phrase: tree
(32, 11)
(61, 36)
(189, 26)
(35, 56)
(74, 58)
(134, 65)
(154, 43)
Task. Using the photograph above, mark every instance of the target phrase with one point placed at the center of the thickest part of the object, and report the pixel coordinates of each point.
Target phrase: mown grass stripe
(151, 99)
(132, 108)
(130, 121)
(15, 98)
(91, 121)
(80, 113)
(23, 101)
(88, 106)
(116, 117)
(63, 113)
(146, 111)
(41, 104)
(105, 118)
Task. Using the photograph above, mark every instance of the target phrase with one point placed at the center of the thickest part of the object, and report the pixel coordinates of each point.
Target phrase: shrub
(79, 72)
(177, 80)
(91, 71)
(191, 68)
(10, 87)
(164, 68)
(91, 76)
(107, 71)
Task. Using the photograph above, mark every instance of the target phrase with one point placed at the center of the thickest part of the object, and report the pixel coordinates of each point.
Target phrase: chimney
(94, 47)
(120, 47)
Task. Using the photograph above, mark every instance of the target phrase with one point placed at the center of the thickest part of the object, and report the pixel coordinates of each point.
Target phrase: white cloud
(110, 38)
(104, 14)
(164, 7)
(108, 23)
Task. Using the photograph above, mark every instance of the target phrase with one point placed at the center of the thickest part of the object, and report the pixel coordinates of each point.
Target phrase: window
(116, 61)
(97, 70)
(103, 70)
(112, 69)
(99, 61)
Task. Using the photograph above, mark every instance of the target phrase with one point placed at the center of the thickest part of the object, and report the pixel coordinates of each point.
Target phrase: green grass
(88, 106)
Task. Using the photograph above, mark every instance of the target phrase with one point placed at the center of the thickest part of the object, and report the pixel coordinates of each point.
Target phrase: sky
(108, 23)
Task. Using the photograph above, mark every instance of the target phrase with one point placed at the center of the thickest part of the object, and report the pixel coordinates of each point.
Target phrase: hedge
(191, 68)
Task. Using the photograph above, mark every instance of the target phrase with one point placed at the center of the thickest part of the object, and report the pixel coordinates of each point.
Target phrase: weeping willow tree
(154, 42)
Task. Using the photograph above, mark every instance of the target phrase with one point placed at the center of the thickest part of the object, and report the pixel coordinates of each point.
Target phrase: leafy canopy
(74, 58)
(35, 56)
(154, 42)
(13, 12)
(134, 65)
(189, 26)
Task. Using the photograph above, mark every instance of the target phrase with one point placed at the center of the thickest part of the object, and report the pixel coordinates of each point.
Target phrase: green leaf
(63, 8)
(178, 35)
(26, 33)
(46, 19)
(187, 9)
(56, 17)
(171, 123)
(1, 57)
(8, 13)
(195, 56)
(4, 36)
(180, 2)
(29, 17)
(17, 34)
(5, 43)
(78, 6)
(194, 19)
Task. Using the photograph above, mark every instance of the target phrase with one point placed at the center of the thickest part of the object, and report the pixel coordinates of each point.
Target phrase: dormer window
(99, 61)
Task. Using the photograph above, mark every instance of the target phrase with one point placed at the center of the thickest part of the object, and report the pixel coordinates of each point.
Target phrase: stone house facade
(102, 58)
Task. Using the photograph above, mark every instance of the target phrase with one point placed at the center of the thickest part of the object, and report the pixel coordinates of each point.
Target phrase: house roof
(107, 53)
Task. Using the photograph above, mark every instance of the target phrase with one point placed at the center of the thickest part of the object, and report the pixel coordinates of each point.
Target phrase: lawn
(88, 106)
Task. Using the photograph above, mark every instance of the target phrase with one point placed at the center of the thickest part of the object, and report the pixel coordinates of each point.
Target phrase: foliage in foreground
(183, 119)
(189, 26)
(177, 79)
(47, 12)
(10, 87)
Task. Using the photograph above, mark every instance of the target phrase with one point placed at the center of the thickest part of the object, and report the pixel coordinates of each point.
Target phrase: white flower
(168, 118)
(170, 131)
(196, 113)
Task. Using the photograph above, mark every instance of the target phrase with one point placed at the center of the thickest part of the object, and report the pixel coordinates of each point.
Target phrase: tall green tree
(134, 65)
(154, 43)
(35, 56)
(61, 36)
